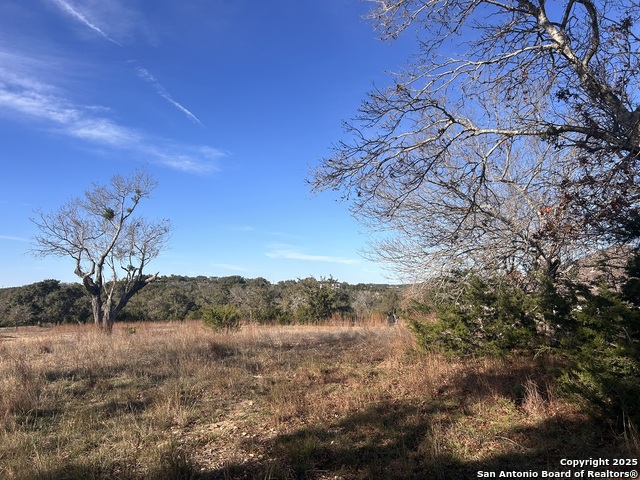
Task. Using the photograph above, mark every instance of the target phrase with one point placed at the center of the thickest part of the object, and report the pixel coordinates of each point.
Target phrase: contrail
(81, 18)
(160, 90)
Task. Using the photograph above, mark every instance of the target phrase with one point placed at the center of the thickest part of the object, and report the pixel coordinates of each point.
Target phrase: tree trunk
(108, 323)
(96, 309)
(108, 317)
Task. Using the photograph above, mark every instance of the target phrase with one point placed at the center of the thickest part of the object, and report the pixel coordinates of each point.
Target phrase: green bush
(272, 315)
(488, 317)
(224, 317)
(605, 352)
(596, 331)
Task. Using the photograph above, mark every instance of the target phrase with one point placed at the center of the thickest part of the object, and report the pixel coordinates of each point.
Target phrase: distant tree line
(49, 301)
(176, 298)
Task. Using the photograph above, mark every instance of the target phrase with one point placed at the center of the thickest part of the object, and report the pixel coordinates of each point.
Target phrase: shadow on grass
(440, 438)
(402, 442)
(388, 440)
(397, 441)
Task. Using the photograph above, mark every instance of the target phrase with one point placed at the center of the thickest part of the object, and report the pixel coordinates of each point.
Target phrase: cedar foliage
(595, 329)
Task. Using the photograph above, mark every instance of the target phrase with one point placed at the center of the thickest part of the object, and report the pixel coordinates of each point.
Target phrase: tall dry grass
(178, 401)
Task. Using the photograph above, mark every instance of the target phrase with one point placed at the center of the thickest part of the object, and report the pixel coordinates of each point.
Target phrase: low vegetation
(180, 401)
(593, 327)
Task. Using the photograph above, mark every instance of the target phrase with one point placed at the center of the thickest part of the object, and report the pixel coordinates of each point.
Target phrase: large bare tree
(110, 246)
(504, 219)
(431, 155)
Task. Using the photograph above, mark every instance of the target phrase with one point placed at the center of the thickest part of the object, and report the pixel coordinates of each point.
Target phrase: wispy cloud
(77, 15)
(24, 96)
(294, 254)
(13, 239)
(187, 158)
(144, 74)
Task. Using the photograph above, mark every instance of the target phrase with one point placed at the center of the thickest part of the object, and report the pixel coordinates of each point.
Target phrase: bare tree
(490, 75)
(111, 247)
(481, 217)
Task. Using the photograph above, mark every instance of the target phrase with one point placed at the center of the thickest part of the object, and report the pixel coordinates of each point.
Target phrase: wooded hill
(177, 297)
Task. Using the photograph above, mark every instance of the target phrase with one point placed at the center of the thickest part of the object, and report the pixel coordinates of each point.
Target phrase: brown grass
(176, 401)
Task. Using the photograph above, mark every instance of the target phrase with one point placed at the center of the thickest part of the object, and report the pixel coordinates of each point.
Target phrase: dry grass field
(177, 401)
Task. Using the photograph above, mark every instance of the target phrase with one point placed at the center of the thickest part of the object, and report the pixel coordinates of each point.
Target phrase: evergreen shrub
(486, 317)
(221, 317)
(605, 353)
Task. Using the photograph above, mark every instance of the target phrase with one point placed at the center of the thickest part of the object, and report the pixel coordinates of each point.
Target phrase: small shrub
(487, 318)
(272, 315)
(224, 317)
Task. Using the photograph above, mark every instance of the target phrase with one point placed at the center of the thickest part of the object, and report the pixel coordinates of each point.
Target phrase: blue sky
(228, 104)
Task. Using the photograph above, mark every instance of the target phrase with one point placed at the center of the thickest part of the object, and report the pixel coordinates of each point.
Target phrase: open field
(176, 401)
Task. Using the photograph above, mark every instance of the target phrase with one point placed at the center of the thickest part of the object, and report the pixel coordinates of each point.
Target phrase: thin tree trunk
(108, 317)
(96, 309)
